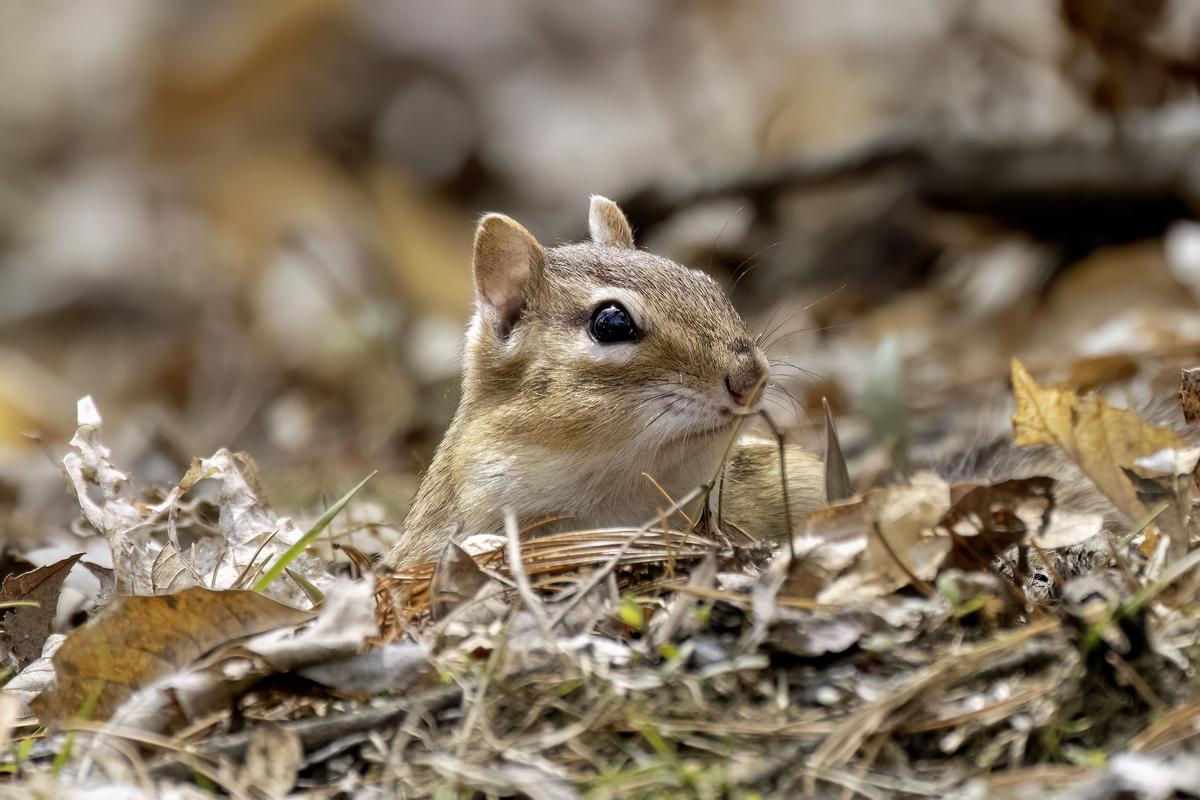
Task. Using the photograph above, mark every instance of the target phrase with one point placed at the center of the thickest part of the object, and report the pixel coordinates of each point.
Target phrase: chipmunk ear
(508, 262)
(607, 223)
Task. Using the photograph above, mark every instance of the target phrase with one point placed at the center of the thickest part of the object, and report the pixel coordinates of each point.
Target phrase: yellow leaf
(1101, 439)
(631, 613)
(1043, 415)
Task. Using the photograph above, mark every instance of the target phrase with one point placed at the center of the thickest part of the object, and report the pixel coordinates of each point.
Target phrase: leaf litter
(923, 638)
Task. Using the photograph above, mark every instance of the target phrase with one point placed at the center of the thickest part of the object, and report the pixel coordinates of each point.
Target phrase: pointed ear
(508, 263)
(607, 223)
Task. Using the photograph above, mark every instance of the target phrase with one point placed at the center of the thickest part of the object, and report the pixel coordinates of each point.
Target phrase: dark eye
(612, 323)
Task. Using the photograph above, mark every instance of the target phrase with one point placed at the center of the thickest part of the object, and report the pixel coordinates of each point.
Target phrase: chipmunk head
(600, 345)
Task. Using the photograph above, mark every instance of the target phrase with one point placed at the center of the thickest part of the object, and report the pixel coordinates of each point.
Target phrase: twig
(517, 568)
(783, 484)
(850, 733)
(594, 579)
(1136, 681)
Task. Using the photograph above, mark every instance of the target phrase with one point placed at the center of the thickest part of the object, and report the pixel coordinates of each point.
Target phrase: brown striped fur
(553, 424)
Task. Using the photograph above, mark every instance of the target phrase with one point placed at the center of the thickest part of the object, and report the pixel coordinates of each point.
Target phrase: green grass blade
(281, 563)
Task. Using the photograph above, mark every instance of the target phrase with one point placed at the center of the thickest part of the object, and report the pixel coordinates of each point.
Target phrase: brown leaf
(834, 538)
(24, 629)
(987, 520)
(1101, 439)
(138, 639)
(1067, 529)
(889, 534)
(456, 578)
(905, 545)
(1189, 394)
(108, 582)
(273, 758)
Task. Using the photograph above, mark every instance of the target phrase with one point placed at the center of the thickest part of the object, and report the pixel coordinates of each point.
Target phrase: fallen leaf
(456, 578)
(1067, 529)
(171, 573)
(987, 520)
(392, 668)
(833, 539)
(38, 676)
(144, 538)
(24, 629)
(873, 544)
(108, 582)
(1101, 439)
(905, 544)
(1189, 394)
(137, 640)
(812, 634)
(343, 626)
(273, 759)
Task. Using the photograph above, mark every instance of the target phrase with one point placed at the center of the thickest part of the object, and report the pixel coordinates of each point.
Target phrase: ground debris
(912, 638)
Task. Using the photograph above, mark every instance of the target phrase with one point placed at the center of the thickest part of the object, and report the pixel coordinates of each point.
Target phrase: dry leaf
(874, 544)
(35, 678)
(902, 541)
(273, 759)
(345, 622)
(144, 539)
(24, 629)
(987, 520)
(171, 573)
(108, 582)
(1067, 529)
(137, 640)
(1189, 394)
(455, 578)
(833, 539)
(1101, 439)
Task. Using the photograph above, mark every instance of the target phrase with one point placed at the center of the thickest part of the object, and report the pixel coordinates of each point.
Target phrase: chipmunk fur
(556, 424)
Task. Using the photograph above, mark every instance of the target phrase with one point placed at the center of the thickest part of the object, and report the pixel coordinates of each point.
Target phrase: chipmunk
(590, 369)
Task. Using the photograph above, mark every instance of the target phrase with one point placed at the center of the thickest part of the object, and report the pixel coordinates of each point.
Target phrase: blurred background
(249, 224)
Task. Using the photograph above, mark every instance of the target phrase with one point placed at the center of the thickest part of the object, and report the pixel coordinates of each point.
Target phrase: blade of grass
(281, 563)
(314, 595)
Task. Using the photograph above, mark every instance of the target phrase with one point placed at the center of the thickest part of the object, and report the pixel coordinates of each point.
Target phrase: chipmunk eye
(612, 323)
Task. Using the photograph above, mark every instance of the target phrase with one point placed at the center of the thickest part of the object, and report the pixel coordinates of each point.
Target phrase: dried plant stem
(594, 579)
(517, 569)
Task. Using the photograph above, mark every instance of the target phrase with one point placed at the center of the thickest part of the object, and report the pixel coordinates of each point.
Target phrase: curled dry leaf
(1102, 440)
(88, 466)
(137, 640)
(144, 539)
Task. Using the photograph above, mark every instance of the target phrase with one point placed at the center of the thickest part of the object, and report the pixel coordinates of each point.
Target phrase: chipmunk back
(592, 373)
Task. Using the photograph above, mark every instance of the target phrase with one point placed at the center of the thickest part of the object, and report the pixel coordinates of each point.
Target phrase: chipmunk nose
(745, 374)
